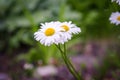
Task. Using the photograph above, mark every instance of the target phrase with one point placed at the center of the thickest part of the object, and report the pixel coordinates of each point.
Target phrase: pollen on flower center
(49, 32)
(66, 28)
(118, 18)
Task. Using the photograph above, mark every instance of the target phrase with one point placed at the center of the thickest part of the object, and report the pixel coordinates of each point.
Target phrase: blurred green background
(19, 19)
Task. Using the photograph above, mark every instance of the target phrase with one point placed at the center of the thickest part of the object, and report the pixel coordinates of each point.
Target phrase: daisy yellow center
(49, 32)
(118, 18)
(66, 28)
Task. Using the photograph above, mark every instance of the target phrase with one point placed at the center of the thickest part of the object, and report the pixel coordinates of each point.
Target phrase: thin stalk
(67, 64)
(69, 68)
(68, 60)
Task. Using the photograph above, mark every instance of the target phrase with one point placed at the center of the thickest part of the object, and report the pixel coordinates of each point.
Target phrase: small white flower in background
(28, 66)
(117, 1)
(56, 32)
(115, 18)
(45, 71)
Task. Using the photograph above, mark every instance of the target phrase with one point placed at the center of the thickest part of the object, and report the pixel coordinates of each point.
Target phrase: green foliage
(39, 53)
(95, 22)
(19, 19)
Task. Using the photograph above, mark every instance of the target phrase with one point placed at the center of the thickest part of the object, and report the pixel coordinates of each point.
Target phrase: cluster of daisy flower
(115, 16)
(56, 32)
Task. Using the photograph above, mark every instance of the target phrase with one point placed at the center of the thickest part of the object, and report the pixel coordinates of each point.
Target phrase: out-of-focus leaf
(4, 5)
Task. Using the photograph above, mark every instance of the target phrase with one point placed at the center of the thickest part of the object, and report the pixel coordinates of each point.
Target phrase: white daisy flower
(117, 1)
(69, 29)
(49, 33)
(115, 18)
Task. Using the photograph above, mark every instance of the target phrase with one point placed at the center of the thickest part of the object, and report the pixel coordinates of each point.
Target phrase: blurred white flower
(45, 71)
(117, 1)
(28, 66)
(69, 29)
(115, 18)
(49, 33)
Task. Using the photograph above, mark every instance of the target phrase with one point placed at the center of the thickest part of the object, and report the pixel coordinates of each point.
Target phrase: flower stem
(68, 63)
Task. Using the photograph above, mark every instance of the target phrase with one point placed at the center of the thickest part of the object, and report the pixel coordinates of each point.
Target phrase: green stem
(67, 62)
(70, 69)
